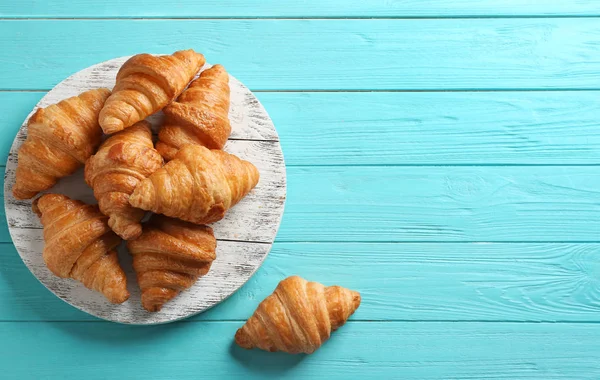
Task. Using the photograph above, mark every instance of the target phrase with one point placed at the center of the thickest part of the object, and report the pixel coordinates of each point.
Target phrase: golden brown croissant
(80, 245)
(169, 257)
(145, 84)
(198, 185)
(114, 171)
(298, 317)
(60, 138)
(199, 116)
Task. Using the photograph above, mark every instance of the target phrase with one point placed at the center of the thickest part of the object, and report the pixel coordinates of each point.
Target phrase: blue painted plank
(14, 108)
(356, 351)
(437, 128)
(438, 281)
(560, 53)
(412, 128)
(307, 8)
(436, 204)
(442, 204)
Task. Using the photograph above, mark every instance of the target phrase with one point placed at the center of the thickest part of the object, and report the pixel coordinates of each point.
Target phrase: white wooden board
(244, 236)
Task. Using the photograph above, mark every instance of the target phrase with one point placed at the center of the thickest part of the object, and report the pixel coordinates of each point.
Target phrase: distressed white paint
(252, 224)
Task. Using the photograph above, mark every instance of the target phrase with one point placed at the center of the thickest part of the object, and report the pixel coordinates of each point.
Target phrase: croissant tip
(35, 208)
(217, 67)
(130, 232)
(118, 297)
(153, 308)
(356, 299)
(104, 91)
(135, 198)
(124, 298)
(22, 194)
(131, 235)
(166, 151)
(111, 125)
(242, 339)
(192, 53)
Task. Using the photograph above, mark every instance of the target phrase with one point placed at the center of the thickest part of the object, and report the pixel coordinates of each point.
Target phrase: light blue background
(442, 159)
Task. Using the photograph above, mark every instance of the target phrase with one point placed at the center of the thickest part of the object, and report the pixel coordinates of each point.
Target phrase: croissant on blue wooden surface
(298, 317)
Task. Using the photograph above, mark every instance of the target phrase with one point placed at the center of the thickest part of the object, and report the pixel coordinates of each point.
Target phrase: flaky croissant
(60, 138)
(114, 171)
(169, 257)
(145, 84)
(80, 245)
(199, 185)
(199, 116)
(298, 317)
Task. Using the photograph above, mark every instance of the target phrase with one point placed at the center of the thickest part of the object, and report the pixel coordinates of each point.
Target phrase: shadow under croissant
(265, 362)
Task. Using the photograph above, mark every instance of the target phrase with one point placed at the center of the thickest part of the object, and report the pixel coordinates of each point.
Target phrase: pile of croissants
(186, 180)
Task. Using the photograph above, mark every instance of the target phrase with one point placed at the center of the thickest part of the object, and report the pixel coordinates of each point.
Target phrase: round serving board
(244, 236)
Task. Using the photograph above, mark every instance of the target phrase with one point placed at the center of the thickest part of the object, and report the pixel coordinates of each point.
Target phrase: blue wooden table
(442, 159)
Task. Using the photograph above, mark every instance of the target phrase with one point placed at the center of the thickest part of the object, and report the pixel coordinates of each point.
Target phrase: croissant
(298, 317)
(199, 185)
(80, 245)
(145, 84)
(114, 171)
(169, 257)
(60, 138)
(199, 116)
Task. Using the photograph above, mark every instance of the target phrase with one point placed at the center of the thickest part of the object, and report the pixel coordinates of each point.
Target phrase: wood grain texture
(413, 282)
(443, 203)
(463, 54)
(307, 8)
(14, 108)
(378, 350)
(335, 128)
(253, 222)
(446, 128)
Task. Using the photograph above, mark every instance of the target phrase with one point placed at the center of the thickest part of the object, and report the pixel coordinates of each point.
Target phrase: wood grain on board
(379, 350)
(306, 8)
(415, 281)
(430, 54)
(449, 128)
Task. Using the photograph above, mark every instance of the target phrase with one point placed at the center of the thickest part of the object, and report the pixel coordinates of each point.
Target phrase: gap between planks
(283, 18)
